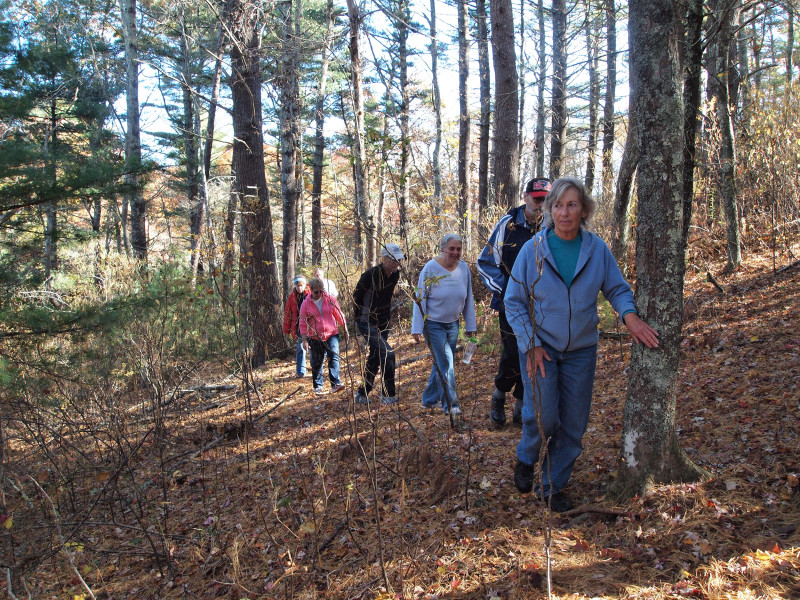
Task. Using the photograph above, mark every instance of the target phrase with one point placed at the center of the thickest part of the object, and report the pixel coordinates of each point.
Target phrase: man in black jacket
(372, 300)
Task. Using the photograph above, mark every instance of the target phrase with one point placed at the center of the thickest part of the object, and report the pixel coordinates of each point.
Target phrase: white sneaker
(455, 411)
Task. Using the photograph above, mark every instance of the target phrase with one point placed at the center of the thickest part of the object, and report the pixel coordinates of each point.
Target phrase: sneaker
(299, 375)
(337, 388)
(388, 400)
(455, 411)
(517, 418)
(361, 398)
(523, 477)
(558, 502)
(498, 411)
(319, 391)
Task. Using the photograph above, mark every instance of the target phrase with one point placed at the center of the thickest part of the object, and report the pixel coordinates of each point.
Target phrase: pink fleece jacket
(320, 326)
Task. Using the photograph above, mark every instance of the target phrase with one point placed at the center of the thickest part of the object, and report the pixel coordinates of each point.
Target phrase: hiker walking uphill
(372, 303)
(445, 293)
(291, 322)
(494, 266)
(320, 320)
(560, 271)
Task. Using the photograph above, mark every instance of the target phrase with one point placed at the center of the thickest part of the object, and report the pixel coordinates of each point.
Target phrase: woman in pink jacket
(320, 319)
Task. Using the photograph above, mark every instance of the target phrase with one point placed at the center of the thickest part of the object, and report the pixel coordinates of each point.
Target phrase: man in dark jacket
(494, 266)
(372, 300)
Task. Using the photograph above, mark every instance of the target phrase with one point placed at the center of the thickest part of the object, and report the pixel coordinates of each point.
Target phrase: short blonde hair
(560, 187)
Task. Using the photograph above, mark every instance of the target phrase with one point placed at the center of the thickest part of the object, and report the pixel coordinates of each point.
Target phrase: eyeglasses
(316, 292)
(534, 199)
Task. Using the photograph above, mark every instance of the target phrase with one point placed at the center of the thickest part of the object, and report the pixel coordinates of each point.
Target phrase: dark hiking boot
(523, 477)
(498, 410)
(517, 418)
(558, 502)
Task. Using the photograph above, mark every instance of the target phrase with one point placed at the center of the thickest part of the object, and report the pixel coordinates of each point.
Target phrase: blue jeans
(443, 338)
(300, 357)
(564, 396)
(319, 350)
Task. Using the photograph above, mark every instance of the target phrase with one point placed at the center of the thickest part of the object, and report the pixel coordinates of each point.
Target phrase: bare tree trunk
(484, 74)
(521, 68)
(650, 450)
(133, 146)
(540, 106)
(319, 141)
(789, 44)
(212, 108)
(693, 55)
(506, 132)
(725, 15)
(190, 141)
(405, 102)
(437, 113)
(558, 130)
(289, 90)
(608, 108)
(463, 120)
(260, 290)
(594, 98)
(622, 201)
(359, 153)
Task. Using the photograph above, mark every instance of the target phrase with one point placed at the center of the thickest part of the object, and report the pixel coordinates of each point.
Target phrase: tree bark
(650, 451)
(289, 93)
(437, 113)
(558, 129)
(692, 57)
(540, 106)
(622, 201)
(362, 218)
(260, 289)
(134, 195)
(319, 142)
(611, 93)
(594, 99)
(463, 121)
(405, 102)
(506, 157)
(190, 148)
(484, 74)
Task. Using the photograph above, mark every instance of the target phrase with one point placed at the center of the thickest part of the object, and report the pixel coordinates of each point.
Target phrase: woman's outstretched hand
(640, 331)
(536, 358)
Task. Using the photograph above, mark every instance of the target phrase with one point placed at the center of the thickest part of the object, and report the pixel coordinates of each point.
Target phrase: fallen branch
(710, 279)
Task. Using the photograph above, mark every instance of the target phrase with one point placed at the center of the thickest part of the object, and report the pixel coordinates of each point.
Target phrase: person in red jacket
(320, 319)
(291, 321)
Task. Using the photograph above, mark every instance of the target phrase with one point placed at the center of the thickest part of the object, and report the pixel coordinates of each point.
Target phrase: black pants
(508, 377)
(381, 357)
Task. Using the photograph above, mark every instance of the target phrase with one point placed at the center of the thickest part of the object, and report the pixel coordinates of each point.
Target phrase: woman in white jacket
(445, 294)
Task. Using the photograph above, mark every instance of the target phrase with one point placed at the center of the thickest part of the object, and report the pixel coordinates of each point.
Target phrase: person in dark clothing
(494, 266)
(372, 300)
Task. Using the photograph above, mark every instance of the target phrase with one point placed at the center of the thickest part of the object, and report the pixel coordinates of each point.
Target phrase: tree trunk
(724, 17)
(789, 45)
(594, 99)
(558, 131)
(464, 153)
(405, 102)
(319, 142)
(484, 74)
(622, 201)
(437, 113)
(506, 157)
(195, 200)
(540, 106)
(608, 108)
(359, 153)
(650, 451)
(260, 290)
(693, 56)
(521, 68)
(212, 108)
(289, 90)
(133, 146)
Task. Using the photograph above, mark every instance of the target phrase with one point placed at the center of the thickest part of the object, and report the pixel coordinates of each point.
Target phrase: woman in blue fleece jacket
(560, 271)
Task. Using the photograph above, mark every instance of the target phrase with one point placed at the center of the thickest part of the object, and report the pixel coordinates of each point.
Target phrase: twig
(61, 538)
(710, 279)
(590, 508)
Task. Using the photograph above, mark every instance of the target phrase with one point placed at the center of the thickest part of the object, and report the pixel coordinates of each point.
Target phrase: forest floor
(289, 508)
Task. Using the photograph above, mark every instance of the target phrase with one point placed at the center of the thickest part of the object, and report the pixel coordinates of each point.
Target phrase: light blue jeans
(443, 338)
(565, 397)
(300, 357)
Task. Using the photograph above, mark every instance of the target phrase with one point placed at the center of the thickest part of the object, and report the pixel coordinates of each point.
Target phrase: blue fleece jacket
(566, 318)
